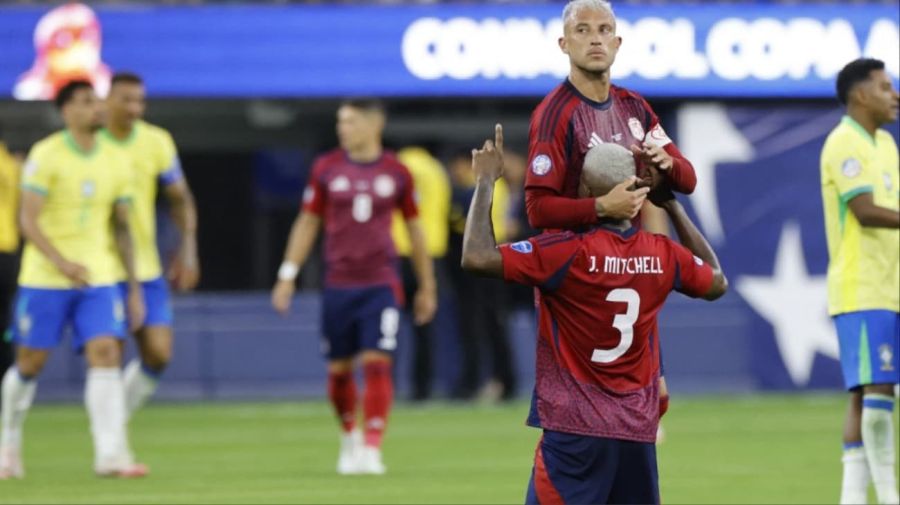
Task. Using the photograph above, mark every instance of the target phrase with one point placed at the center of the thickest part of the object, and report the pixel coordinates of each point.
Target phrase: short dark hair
(126, 78)
(65, 94)
(853, 73)
(365, 104)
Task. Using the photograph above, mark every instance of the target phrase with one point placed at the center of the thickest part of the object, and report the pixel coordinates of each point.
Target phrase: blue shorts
(579, 469)
(42, 314)
(156, 299)
(356, 319)
(869, 341)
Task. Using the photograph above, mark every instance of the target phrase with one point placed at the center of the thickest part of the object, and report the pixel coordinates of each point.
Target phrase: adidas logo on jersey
(595, 140)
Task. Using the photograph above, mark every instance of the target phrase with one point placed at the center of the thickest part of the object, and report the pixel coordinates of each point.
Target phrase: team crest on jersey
(88, 188)
(541, 164)
(851, 167)
(118, 311)
(523, 247)
(888, 182)
(339, 184)
(384, 186)
(886, 354)
(637, 129)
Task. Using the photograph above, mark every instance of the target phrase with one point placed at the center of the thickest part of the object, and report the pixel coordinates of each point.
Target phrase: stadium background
(249, 93)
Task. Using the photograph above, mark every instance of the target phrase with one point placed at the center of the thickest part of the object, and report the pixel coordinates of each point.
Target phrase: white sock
(17, 397)
(878, 439)
(104, 397)
(856, 476)
(139, 387)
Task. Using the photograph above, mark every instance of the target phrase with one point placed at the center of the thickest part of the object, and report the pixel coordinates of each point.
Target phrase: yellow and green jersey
(80, 190)
(154, 161)
(864, 262)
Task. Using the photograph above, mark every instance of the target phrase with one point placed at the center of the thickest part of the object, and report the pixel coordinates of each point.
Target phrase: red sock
(663, 405)
(377, 400)
(342, 392)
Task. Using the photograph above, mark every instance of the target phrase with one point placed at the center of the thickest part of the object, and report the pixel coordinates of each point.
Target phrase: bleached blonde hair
(574, 6)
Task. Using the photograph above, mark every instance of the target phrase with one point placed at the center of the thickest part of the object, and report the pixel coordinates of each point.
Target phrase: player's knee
(104, 352)
(158, 357)
(375, 357)
(30, 365)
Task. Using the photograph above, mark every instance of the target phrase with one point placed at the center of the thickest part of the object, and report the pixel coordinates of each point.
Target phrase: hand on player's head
(488, 161)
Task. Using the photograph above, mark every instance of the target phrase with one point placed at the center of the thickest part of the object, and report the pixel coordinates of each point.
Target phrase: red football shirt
(598, 341)
(564, 126)
(356, 202)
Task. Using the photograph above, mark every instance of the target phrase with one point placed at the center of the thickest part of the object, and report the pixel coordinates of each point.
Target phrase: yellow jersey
(80, 191)
(432, 188)
(9, 202)
(154, 161)
(864, 262)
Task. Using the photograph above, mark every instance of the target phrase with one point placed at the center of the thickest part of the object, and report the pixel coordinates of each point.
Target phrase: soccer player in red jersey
(353, 191)
(597, 365)
(587, 110)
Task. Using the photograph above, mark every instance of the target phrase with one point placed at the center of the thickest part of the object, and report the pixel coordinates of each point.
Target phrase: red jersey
(564, 126)
(356, 202)
(598, 341)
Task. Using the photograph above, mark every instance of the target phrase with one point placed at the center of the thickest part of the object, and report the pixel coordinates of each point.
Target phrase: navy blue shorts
(579, 469)
(357, 319)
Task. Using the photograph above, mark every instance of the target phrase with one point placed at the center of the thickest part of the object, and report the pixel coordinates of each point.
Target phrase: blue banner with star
(758, 200)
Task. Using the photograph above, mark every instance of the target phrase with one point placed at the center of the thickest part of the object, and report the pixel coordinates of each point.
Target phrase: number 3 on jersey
(622, 322)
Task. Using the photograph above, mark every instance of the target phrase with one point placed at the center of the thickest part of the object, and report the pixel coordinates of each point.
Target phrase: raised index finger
(498, 136)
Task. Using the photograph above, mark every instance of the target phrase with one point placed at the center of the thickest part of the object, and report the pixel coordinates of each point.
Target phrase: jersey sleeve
(169, 163)
(693, 276)
(540, 261)
(315, 193)
(37, 173)
(548, 155)
(406, 199)
(849, 171)
(682, 174)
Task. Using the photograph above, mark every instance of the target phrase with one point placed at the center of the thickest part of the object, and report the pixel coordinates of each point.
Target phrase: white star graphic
(796, 305)
(707, 137)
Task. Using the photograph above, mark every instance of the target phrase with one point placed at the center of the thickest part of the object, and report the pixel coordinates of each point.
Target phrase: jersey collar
(122, 142)
(859, 128)
(70, 141)
(604, 105)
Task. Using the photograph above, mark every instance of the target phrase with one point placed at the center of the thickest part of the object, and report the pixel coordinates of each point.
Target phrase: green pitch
(757, 449)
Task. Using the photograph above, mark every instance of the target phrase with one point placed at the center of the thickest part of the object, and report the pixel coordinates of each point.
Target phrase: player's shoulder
(842, 141)
(549, 240)
(555, 109)
(57, 141)
(154, 132)
(328, 159)
(627, 95)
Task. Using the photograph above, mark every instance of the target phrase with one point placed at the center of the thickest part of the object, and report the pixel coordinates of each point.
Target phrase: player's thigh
(637, 477)
(868, 347)
(379, 322)
(99, 313)
(158, 301)
(339, 320)
(575, 468)
(40, 315)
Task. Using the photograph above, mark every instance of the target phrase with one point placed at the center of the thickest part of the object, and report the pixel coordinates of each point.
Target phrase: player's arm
(480, 254)
(658, 150)
(425, 301)
(31, 205)
(302, 238)
(185, 269)
(870, 215)
(691, 238)
(125, 246)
